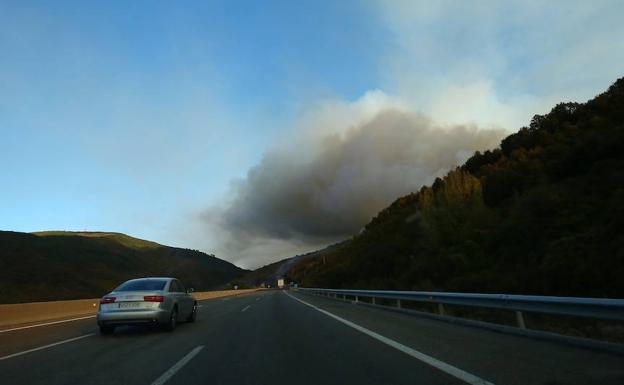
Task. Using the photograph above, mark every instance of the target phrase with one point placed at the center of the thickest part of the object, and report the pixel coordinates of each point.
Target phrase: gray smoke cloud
(316, 192)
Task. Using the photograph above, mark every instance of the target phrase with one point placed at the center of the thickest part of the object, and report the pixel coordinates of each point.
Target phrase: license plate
(123, 305)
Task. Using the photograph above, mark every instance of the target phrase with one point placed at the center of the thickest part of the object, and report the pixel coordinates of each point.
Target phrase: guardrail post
(441, 309)
(520, 319)
(373, 300)
(357, 298)
(399, 303)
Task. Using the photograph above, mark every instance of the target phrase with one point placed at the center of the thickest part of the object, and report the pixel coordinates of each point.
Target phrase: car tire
(173, 320)
(193, 316)
(106, 330)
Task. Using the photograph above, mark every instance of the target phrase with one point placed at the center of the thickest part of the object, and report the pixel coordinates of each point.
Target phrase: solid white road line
(46, 324)
(169, 373)
(245, 308)
(443, 366)
(45, 346)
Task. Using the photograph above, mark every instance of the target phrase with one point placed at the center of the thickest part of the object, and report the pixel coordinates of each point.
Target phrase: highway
(276, 337)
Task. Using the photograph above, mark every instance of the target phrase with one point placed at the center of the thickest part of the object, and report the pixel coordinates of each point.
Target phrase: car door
(174, 292)
(190, 300)
(185, 303)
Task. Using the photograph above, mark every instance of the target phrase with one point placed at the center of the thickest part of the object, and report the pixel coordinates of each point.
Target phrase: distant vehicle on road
(147, 301)
(280, 283)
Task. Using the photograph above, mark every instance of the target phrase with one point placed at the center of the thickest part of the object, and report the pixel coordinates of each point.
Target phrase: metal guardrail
(597, 308)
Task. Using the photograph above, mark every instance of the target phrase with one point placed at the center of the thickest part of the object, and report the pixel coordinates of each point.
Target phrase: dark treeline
(543, 214)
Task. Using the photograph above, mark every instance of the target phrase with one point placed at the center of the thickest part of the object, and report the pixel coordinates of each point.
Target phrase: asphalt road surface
(272, 337)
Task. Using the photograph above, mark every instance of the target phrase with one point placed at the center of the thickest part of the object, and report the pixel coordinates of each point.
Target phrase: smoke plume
(319, 189)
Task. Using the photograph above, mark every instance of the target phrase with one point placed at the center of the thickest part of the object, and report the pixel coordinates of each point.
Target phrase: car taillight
(106, 300)
(154, 298)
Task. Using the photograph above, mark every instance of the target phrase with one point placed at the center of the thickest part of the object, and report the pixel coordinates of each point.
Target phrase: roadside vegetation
(543, 214)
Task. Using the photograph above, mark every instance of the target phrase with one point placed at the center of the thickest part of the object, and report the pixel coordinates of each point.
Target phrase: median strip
(169, 373)
(46, 324)
(443, 366)
(45, 347)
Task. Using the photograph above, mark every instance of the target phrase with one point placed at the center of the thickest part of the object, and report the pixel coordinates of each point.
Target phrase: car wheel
(173, 320)
(193, 315)
(106, 330)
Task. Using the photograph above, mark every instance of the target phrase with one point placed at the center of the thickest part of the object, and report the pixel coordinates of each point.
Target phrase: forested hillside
(65, 265)
(542, 214)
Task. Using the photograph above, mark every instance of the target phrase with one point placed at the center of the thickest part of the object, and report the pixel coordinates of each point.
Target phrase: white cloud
(499, 63)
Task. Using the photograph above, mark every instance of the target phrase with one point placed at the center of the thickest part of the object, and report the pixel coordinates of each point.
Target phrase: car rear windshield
(143, 285)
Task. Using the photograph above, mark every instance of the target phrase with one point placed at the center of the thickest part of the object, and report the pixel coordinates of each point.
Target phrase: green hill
(123, 239)
(68, 265)
(542, 214)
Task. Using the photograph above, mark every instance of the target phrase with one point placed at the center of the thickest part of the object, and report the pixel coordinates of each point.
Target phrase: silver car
(144, 301)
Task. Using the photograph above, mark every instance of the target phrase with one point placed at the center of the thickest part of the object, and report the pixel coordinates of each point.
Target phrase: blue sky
(131, 107)
(137, 116)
